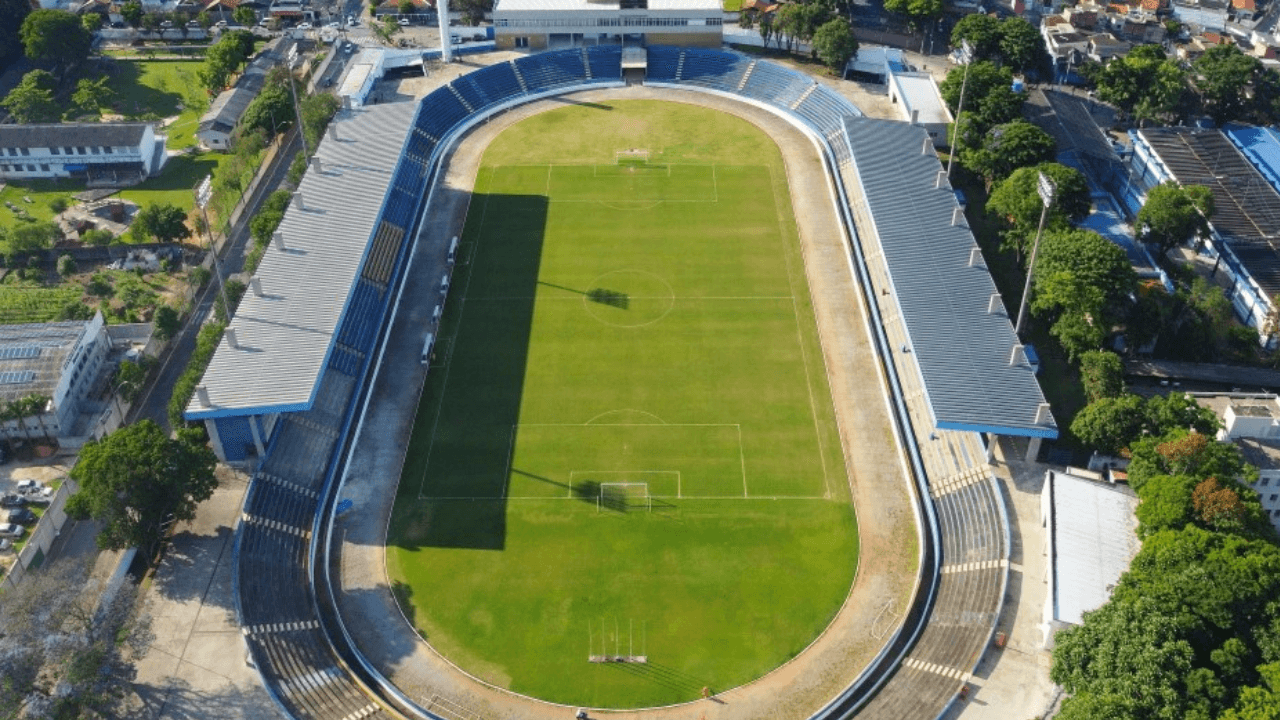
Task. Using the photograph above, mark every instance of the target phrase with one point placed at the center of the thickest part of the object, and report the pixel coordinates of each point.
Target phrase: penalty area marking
(575, 473)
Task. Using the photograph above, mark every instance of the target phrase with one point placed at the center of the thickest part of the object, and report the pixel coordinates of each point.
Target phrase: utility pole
(204, 191)
(966, 54)
(297, 109)
(1047, 191)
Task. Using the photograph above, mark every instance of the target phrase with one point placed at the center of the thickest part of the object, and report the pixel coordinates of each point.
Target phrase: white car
(350, 48)
(304, 26)
(404, 22)
(352, 21)
(11, 530)
(333, 25)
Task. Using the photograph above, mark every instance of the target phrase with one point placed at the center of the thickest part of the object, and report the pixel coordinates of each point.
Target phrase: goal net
(624, 497)
(634, 157)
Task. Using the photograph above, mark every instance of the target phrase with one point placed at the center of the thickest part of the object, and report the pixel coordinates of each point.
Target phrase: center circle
(628, 298)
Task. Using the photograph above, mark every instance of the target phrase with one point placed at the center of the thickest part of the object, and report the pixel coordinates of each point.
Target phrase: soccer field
(626, 443)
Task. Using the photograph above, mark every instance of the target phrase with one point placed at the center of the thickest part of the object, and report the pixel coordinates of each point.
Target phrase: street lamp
(1047, 191)
(204, 191)
(966, 54)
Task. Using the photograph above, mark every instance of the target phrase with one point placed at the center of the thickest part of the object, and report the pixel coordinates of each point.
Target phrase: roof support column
(215, 440)
(257, 436)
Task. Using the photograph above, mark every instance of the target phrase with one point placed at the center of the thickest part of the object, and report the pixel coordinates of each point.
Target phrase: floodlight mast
(1047, 191)
(966, 54)
(446, 40)
(204, 191)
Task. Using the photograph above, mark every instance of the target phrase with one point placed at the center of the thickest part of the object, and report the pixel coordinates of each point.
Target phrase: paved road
(154, 403)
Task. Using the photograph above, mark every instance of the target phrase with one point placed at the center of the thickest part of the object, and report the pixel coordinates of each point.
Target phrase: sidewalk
(196, 665)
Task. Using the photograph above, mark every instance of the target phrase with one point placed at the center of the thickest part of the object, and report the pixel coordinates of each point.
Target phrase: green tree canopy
(1177, 451)
(56, 37)
(272, 110)
(32, 100)
(1006, 148)
(1021, 46)
(91, 96)
(988, 94)
(1091, 260)
(224, 58)
(1110, 424)
(1017, 203)
(165, 222)
(244, 15)
(915, 9)
(1102, 374)
(136, 479)
(167, 322)
(32, 237)
(1221, 76)
(131, 11)
(1144, 83)
(1173, 214)
(91, 21)
(982, 32)
(835, 44)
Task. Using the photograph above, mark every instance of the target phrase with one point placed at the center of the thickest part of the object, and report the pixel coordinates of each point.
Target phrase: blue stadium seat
(552, 69)
(713, 69)
(825, 108)
(662, 63)
(605, 62)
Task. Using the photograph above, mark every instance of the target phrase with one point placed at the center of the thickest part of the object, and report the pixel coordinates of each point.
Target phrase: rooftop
(1252, 409)
(1261, 146)
(226, 109)
(1094, 539)
(589, 6)
(31, 357)
(919, 93)
(284, 336)
(962, 350)
(1262, 453)
(72, 135)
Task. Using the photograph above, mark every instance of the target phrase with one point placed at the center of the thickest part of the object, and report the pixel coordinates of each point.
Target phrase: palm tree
(35, 405)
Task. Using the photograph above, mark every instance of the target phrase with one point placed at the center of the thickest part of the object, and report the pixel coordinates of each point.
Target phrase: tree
(1166, 504)
(1144, 83)
(317, 110)
(130, 378)
(1172, 214)
(1006, 148)
(12, 13)
(1260, 702)
(981, 31)
(165, 222)
(1176, 451)
(66, 265)
(92, 95)
(136, 480)
(917, 10)
(1016, 201)
(473, 10)
(1110, 424)
(92, 22)
(32, 100)
(167, 322)
(406, 7)
(988, 94)
(55, 37)
(244, 15)
(1221, 75)
(1021, 46)
(224, 58)
(272, 110)
(1091, 259)
(835, 44)
(32, 237)
(66, 655)
(1102, 374)
(98, 238)
(131, 11)
(1127, 656)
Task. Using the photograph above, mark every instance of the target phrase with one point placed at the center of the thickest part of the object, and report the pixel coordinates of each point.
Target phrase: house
(540, 24)
(1252, 422)
(1090, 539)
(217, 126)
(102, 154)
(61, 361)
(1244, 10)
(1102, 47)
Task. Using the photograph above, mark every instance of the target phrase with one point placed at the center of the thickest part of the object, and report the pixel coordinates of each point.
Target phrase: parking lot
(26, 490)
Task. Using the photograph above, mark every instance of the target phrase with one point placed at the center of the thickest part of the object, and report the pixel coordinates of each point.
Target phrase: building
(1245, 228)
(1252, 422)
(541, 24)
(218, 124)
(1090, 539)
(62, 361)
(1201, 14)
(920, 103)
(101, 154)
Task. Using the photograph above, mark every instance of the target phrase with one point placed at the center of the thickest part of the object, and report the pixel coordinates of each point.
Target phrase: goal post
(631, 157)
(624, 497)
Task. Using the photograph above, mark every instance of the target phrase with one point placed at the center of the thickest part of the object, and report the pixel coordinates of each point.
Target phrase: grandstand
(287, 385)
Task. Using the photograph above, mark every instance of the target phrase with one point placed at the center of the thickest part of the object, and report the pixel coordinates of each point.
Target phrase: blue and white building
(110, 154)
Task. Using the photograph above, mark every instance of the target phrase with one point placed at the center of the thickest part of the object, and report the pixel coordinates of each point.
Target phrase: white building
(62, 361)
(102, 154)
(1090, 538)
(920, 103)
(541, 24)
(1252, 422)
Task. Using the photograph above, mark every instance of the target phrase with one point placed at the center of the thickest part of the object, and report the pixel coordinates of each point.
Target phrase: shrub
(206, 343)
(66, 265)
(58, 204)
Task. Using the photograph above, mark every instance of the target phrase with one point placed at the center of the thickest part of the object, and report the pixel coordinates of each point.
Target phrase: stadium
(573, 386)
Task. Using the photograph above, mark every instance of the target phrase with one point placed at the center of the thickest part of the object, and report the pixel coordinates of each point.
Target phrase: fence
(42, 537)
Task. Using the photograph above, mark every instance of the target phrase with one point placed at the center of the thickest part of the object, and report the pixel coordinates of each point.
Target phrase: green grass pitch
(617, 322)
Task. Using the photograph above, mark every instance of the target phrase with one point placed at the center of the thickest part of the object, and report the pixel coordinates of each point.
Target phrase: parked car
(166, 24)
(22, 516)
(26, 486)
(304, 26)
(350, 48)
(193, 23)
(13, 501)
(6, 544)
(404, 22)
(11, 530)
(334, 25)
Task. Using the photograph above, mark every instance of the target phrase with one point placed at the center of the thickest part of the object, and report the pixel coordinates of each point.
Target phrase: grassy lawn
(176, 182)
(732, 5)
(41, 192)
(609, 324)
(161, 88)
